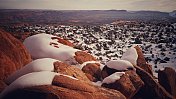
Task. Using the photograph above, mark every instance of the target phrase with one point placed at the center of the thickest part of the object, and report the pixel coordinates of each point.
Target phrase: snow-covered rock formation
(43, 46)
(130, 55)
(29, 80)
(44, 64)
(119, 64)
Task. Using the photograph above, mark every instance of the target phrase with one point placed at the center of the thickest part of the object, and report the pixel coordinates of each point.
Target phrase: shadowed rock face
(66, 88)
(107, 71)
(124, 85)
(128, 84)
(135, 79)
(141, 62)
(167, 78)
(2, 86)
(13, 55)
(92, 71)
(152, 89)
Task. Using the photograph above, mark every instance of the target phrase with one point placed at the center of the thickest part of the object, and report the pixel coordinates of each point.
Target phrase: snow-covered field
(110, 41)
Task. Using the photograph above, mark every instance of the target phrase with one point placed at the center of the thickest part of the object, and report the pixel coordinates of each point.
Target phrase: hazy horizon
(80, 9)
(129, 5)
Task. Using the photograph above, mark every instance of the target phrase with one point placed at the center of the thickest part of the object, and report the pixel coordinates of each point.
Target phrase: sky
(131, 5)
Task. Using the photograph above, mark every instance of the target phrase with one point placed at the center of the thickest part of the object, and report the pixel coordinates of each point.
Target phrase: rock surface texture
(13, 55)
(167, 78)
(59, 71)
(128, 84)
(66, 88)
(152, 89)
(141, 62)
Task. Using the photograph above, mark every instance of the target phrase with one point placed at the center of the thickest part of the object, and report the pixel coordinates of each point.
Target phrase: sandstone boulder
(89, 72)
(141, 62)
(63, 41)
(47, 46)
(107, 71)
(167, 78)
(7, 66)
(13, 55)
(65, 88)
(128, 84)
(92, 71)
(151, 89)
(116, 66)
(81, 57)
(70, 70)
(124, 85)
(136, 80)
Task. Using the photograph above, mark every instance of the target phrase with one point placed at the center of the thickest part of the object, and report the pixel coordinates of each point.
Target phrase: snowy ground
(110, 41)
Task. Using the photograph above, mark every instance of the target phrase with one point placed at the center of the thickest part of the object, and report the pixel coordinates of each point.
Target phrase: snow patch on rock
(32, 79)
(39, 46)
(69, 76)
(161, 69)
(119, 64)
(102, 66)
(98, 83)
(29, 80)
(85, 63)
(130, 55)
(113, 77)
(45, 64)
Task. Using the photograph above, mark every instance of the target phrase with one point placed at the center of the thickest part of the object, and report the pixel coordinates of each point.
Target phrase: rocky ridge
(80, 75)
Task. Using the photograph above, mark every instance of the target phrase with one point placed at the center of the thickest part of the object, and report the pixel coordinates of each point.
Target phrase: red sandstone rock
(141, 62)
(151, 89)
(63, 41)
(70, 70)
(128, 84)
(107, 71)
(167, 78)
(70, 83)
(92, 71)
(66, 88)
(136, 81)
(13, 54)
(124, 85)
(82, 57)
(7, 66)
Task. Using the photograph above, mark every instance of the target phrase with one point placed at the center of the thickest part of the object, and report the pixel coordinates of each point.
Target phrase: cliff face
(60, 71)
(13, 55)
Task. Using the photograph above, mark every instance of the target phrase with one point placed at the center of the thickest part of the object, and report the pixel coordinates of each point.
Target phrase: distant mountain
(9, 16)
(173, 14)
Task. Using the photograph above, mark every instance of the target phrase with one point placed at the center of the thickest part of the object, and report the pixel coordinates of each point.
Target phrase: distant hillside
(9, 16)
(173, 14)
